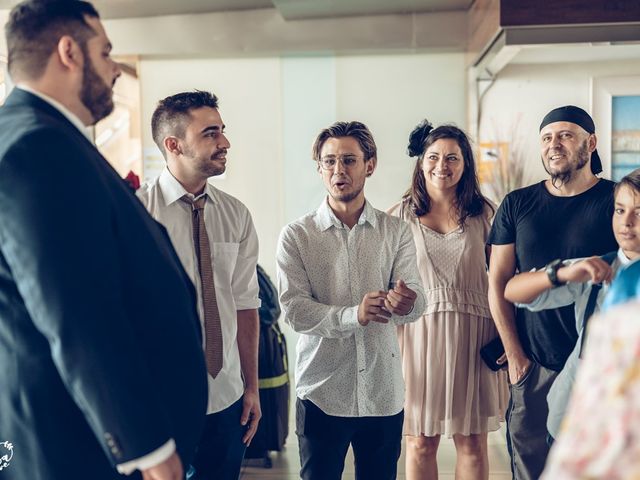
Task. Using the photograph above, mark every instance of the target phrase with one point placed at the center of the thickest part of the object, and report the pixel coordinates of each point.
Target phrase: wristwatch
(552, 272)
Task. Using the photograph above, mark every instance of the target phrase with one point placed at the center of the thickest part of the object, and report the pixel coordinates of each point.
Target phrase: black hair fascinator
(418, 137)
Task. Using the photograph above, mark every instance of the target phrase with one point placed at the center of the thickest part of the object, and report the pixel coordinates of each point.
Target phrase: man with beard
(218, 246)
(347, 275)
(566, 216)
(88, 337)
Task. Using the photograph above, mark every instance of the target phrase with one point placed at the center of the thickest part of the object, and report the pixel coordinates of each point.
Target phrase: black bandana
(576, 115)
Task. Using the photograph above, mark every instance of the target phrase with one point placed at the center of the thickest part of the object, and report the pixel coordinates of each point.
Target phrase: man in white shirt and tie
(347, 275)
(217, 243)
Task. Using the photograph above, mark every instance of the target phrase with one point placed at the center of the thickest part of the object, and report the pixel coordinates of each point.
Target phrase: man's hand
(251, 414)
(170, 469)
(593, 268)
(502, 360)
(371, 309)
(400, 300)
(519, 364)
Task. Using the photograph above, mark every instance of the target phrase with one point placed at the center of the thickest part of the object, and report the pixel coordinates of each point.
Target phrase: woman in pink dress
(449, 390)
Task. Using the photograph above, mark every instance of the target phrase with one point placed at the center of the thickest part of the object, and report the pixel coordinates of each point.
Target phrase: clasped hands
(379, 305)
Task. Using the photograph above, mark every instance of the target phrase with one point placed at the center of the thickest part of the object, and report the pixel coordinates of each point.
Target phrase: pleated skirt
(449, 389)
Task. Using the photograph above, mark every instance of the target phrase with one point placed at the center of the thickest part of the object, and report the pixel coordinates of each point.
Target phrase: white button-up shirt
(324, 271)
(234, 251)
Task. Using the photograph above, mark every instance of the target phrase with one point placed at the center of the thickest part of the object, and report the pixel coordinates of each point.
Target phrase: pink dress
(449, 389)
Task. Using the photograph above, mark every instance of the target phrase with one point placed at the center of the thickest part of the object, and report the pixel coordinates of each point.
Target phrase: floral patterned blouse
(600, 435)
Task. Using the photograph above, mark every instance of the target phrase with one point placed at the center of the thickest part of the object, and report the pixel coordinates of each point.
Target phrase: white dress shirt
(167, 449)
(234, 248)
(324, 271)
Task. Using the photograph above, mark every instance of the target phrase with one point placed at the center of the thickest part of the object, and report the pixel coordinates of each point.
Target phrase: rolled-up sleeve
(245, 277)
(558, 296)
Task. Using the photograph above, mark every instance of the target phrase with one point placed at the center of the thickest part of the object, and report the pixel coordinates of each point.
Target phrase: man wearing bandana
(565, 216)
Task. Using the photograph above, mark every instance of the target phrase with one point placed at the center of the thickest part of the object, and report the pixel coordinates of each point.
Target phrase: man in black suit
(101, 365)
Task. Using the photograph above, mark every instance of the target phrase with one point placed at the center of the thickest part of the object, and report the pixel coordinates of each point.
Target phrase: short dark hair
(357, 130)
(631, 180)
(469, 200)
(35, 28)
(169, 117)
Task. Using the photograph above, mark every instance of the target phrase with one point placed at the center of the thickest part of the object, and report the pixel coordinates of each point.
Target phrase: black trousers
(220, 451)
(324, 440)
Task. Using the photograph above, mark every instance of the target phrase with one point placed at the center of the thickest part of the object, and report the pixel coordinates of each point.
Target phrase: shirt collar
(68, 114)
(622, 258)
(172, 190)
(327, 218)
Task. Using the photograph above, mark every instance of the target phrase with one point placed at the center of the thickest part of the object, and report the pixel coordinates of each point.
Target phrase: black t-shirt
(544, 227)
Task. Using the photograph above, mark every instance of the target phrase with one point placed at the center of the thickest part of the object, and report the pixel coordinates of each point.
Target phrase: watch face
(555, 263)
(552, 271)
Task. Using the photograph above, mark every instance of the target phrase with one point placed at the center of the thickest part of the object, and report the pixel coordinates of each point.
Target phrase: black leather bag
(491, 352)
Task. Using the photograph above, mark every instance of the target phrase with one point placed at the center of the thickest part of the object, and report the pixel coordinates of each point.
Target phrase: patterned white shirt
(324, 271)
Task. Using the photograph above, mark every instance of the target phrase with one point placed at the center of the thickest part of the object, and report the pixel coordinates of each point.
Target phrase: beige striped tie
(212, 327)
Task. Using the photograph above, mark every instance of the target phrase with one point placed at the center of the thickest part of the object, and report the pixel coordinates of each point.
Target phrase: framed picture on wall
(625, 135)
(615, 106)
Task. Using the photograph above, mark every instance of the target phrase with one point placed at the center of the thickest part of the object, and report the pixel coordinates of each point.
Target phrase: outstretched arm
(529, 286)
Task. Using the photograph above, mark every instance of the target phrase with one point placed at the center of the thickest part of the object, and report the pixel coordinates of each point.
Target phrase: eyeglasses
(329, 162)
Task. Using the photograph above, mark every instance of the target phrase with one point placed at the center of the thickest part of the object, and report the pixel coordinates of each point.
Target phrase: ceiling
(288, 9)
(279, 20)
(582, 52)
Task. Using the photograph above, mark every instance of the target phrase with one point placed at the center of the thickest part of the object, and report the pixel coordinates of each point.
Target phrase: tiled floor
(286, 464)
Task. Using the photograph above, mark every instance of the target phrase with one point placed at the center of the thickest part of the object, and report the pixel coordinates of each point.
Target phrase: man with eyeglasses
(347, 275)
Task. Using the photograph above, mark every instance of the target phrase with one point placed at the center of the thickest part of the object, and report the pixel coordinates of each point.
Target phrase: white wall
(392, 94)
(524, 93)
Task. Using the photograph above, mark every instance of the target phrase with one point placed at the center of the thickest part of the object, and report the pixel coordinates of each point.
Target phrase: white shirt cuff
(150, 460)
(350, 317)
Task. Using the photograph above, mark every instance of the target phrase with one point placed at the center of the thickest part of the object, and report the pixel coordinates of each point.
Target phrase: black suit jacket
(100, 352)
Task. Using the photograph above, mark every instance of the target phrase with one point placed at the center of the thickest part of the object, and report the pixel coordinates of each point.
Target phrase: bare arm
(526, 287)
(248, 332)
(502, 266)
